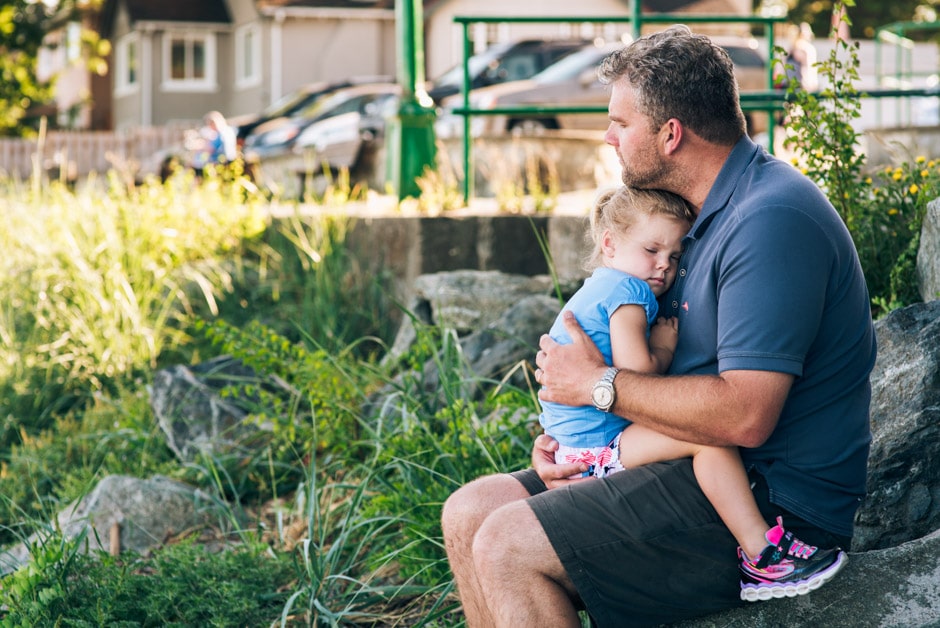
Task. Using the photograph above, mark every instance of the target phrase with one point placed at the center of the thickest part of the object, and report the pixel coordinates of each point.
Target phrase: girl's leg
(719, 473)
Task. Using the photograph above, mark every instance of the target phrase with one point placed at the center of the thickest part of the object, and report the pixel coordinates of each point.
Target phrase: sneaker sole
(768, 591)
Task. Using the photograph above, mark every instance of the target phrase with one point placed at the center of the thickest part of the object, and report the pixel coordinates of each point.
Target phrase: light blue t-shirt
(600, 296)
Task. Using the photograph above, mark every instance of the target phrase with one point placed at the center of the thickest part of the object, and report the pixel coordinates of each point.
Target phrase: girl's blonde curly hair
(617, 211)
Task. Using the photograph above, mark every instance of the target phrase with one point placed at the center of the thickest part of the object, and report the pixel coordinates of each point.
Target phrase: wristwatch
(603, 394)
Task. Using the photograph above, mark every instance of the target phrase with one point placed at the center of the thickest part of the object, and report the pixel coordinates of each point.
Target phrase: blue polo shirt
(770, 281)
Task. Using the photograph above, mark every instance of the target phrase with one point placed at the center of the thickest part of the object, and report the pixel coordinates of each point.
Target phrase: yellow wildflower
(897, 175)
(913, 189)
(920, 159)
(924, 174)
(893, 211)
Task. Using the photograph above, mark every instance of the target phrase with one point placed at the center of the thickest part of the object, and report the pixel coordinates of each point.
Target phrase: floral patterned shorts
(602, 461)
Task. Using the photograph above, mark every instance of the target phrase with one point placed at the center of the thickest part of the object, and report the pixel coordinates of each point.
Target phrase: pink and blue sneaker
(787, 567)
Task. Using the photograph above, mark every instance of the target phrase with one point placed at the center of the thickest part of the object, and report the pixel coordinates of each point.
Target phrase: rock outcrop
(125, 513)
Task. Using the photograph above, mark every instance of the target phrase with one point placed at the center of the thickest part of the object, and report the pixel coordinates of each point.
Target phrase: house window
(73, 42)
(189, 62)
(127, 65)
(248, 56)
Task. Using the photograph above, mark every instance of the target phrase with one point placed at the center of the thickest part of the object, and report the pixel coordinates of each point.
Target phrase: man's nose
(609, 136)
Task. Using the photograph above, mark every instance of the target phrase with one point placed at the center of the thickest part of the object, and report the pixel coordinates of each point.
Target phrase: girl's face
(649, 250)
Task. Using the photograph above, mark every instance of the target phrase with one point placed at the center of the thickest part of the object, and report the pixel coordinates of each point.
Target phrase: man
(775, 349)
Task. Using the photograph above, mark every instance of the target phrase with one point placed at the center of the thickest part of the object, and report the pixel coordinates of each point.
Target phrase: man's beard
(653, 174)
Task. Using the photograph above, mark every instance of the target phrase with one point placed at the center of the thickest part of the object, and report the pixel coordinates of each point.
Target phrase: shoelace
(800, 549)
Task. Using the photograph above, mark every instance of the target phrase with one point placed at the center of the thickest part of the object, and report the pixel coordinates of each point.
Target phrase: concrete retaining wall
(409, 246)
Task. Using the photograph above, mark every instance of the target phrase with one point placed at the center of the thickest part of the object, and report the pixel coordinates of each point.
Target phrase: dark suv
(507, 61)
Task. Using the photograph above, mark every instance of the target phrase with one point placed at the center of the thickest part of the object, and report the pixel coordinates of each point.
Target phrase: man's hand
(543, 461)
(567, 373)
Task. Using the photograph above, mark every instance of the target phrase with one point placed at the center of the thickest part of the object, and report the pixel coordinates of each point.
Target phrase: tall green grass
(98, 284)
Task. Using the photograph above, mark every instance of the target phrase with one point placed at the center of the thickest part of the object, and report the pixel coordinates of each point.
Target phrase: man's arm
(733, 408)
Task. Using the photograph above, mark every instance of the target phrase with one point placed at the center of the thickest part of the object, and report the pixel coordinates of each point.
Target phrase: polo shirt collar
(740, 158)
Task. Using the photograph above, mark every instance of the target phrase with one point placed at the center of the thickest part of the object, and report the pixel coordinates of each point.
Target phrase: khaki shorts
(644, 546)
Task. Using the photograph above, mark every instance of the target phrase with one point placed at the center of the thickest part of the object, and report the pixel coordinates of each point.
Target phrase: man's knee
(457, 511)
(467, 507)
(504, 537)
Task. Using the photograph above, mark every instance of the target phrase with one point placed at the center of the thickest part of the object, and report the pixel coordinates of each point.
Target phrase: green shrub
(182, 584)
(308, 286)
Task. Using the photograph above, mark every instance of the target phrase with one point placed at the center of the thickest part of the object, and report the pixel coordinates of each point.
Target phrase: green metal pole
(635, 19)
(467, 140)
(411, 147)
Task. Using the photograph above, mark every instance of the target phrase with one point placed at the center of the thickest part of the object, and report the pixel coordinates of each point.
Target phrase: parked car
(502, 62)
(572, 81)
(293, 102)
(345, 139)
(345, 129)
(277, 136)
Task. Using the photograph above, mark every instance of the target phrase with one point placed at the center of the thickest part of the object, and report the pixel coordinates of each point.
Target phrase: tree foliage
(866, 17)
(23, 24)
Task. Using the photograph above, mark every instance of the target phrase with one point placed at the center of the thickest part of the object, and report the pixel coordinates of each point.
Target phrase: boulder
(928, 255)
(502, 350)
(125, 513)
(903, 501)
(464, 300)
(194, 416)
(890, 588)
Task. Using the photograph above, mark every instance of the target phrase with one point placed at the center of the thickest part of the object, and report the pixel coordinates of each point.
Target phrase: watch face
(602, 397)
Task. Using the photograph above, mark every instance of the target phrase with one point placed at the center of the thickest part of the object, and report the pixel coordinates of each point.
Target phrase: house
(174, 60)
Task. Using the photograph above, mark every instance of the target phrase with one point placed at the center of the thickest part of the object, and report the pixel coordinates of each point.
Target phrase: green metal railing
(769, 101)
(903, 77)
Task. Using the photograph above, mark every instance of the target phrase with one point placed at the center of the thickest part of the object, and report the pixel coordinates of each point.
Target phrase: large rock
(192, 413)
(903, 501)
(928, 255)
(890, 588)
(496, 317)
(464, 300)
(142, 513)
(502, 350)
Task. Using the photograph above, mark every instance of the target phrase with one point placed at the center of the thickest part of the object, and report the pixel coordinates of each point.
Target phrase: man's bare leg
(461, 518)
(519, 573)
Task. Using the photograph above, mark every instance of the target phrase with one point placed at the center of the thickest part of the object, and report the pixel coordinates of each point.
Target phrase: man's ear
(670, 135)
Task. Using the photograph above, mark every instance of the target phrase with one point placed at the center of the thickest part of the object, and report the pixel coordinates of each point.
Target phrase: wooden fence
(76, 154)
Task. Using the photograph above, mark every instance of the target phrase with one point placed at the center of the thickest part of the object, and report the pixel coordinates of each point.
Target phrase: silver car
(573, 82)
